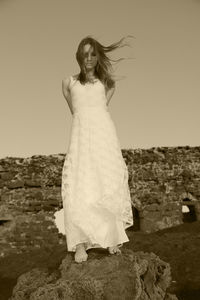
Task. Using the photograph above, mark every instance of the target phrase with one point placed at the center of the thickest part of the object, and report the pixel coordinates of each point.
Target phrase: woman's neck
(90, 74)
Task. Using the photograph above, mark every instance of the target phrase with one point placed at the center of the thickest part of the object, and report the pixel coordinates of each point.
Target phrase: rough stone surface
(136, 276)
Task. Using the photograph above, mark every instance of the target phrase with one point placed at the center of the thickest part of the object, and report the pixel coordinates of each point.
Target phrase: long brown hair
(104, 67)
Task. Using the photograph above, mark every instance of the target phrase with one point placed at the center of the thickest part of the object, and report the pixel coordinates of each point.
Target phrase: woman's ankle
(80, 246)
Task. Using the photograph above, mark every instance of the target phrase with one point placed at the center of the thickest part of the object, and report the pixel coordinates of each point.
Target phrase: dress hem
(90, 245)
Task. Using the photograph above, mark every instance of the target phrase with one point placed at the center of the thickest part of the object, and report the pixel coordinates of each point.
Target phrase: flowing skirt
(95, 192)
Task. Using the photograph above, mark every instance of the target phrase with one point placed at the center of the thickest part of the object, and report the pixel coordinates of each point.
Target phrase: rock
(136, 276)
(14, 184)
(31, 281)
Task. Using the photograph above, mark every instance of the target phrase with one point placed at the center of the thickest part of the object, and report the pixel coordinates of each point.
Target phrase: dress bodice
(87, 97)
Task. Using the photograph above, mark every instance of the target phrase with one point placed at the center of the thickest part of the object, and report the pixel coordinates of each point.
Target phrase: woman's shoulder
(74, 77)
(67, 81)
(70, 77)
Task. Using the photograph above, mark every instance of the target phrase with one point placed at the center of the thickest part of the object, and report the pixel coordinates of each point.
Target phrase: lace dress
(95, 192)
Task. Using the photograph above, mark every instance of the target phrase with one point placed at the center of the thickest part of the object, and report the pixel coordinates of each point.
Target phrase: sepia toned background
(157, 103)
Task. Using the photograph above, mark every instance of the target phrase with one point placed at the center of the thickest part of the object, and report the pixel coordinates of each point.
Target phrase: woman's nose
(89, 56)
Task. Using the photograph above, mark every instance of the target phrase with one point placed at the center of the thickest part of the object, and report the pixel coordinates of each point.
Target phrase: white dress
(95, 192)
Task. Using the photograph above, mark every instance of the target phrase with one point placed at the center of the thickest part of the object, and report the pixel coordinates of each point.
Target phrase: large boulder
(130, 275)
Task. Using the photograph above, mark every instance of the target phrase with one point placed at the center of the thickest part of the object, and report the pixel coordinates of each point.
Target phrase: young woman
(95, 192)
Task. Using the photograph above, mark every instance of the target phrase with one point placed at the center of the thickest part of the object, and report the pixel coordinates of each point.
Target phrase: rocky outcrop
(136, 276)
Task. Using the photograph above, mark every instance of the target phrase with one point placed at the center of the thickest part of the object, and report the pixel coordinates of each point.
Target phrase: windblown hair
(104, 67)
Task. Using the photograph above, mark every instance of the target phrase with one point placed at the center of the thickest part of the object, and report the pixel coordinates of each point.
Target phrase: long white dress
(95, 192)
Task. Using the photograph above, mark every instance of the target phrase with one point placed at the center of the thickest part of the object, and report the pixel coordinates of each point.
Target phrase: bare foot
(80, 254)
(114, 250)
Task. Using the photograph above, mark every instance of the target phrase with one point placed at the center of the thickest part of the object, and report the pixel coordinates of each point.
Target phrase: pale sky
(156, 104)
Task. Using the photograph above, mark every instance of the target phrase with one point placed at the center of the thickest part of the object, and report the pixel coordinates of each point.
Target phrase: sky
(157, 102)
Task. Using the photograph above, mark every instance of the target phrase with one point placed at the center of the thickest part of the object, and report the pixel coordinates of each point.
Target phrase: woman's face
(90, 58)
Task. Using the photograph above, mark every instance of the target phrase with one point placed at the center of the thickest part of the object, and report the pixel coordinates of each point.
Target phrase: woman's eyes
(93, 54)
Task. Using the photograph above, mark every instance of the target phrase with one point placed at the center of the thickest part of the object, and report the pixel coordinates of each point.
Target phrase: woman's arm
(109, 94)
(66, 92)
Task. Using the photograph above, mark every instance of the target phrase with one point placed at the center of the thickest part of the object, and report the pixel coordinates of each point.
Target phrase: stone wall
(160, 180)
(30, 195)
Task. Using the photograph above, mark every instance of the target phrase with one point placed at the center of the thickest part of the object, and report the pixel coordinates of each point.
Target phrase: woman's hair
(104, 68)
